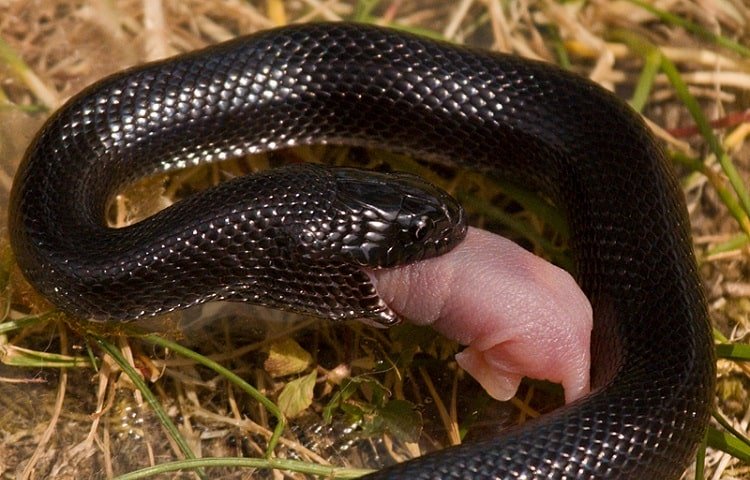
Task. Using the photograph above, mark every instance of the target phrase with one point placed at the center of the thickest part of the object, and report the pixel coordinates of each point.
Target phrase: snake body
(653, 367)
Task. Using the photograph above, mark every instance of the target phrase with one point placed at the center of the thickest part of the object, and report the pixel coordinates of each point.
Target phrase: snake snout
(397, 218)
(430, 221)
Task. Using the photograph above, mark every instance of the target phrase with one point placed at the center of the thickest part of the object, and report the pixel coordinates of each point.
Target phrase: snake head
(394, 219)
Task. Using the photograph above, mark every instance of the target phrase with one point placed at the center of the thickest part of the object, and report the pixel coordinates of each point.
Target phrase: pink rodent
(517, 314)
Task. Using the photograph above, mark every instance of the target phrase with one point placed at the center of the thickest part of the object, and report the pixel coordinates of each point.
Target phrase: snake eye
(421, 228)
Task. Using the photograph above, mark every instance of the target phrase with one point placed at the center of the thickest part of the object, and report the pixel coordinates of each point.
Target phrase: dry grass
(79, 422)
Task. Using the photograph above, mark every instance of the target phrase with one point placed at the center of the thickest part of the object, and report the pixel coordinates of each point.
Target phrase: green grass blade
(363, 10)
(646, 80)
(700, 459)
(707, 132)
(734, 243)
(645, 48)
(323, 471)
(24, 357)
(21, 70)
(728, 443)
(231, 377)
(738, 352)
(11, 325)
(153, 402)
(735, 209)
(693, 28)
(728, 426)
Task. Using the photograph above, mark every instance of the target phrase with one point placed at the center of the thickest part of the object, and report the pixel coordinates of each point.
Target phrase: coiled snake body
(652, 373)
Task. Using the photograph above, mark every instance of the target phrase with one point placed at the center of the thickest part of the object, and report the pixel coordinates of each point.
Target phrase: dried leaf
(286, 357)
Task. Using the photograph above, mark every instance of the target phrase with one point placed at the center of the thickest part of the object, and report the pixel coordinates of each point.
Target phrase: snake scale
(532, 123)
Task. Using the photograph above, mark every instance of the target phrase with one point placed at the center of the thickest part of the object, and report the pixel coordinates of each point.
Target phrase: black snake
(653, 367)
